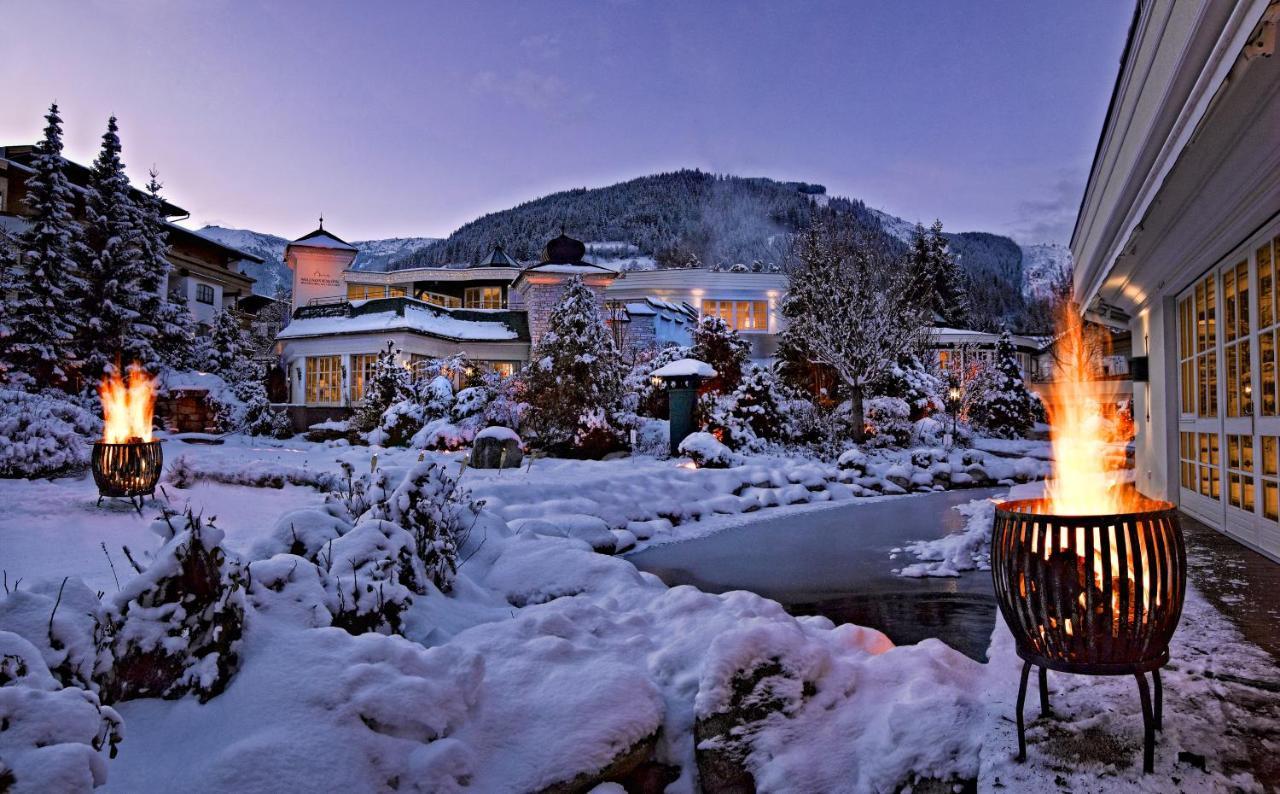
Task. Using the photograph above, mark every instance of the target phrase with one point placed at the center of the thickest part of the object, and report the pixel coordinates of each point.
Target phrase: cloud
(541, 45)
(1050, 217)
(533, 90)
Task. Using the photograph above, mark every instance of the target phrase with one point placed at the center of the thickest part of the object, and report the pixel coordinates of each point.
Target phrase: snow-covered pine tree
(165, 324)
(231, 348)
(720, 346)
(938, 277)
(573, 384)
(852, 308)
(389, 384)
(109, 302)
(759, 402)
(44, 324)
(1007, 408)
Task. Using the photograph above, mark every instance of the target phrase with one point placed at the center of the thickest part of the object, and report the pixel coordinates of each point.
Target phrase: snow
(415, 318)
(500, 433)
(547, 659)
(685, 367)
(323, 240)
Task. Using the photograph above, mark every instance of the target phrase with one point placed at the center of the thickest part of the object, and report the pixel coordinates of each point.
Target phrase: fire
(127, 406)
(1085, 480)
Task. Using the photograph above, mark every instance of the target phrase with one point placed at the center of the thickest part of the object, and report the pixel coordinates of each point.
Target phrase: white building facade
(1178, 236)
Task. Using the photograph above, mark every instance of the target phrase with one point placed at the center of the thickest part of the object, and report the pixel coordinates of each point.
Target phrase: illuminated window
(447, 301)
(1240, 472)
(1235, 304)
(204, 294)
(1268, 318)
(483, 298)
(361, 292)
(324, 380)
(504, 368)
(740, 315)
(362, 369)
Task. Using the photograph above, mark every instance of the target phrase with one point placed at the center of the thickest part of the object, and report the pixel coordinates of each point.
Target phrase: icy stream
(836, 562)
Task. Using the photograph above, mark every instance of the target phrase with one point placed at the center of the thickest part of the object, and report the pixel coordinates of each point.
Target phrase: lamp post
(953, 408)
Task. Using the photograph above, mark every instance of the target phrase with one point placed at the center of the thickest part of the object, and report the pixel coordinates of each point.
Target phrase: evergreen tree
(110, 302)
(573, 384)
(43, 325)
(937, 276)
(165, 329)
(715, 343)
(1007, 408)
(388, 385)
(759, 403)
(231, 354)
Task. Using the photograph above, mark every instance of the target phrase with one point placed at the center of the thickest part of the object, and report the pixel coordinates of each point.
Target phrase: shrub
(44, 434)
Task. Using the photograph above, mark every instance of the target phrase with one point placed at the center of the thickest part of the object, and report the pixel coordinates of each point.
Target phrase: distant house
(1178, 242)
(205, 272)
(495, 311)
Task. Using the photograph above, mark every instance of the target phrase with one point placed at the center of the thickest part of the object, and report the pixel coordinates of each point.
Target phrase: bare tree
(851, 307)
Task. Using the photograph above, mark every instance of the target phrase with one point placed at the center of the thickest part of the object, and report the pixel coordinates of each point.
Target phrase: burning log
(127, 463)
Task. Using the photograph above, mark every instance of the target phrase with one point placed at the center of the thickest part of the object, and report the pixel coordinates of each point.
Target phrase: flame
(127, 406)
(1086, 480)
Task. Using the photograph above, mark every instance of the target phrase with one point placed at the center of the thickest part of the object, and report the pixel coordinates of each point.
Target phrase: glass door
(1266, 261)
(1199, 423)
(1238, 392)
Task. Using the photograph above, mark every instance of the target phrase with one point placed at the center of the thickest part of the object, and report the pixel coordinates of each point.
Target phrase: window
(740, 315)
(1235, 304)
(1268, 319)
(1240, 472)
(447, 301)
(483, 298)
(504, 368)
(1197, 350)
(1270, 475)
(362, 369)
(362, 292)
(324, 380)
(204, 294)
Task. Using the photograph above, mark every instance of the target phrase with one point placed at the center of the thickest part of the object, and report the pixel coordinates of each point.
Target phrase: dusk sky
(411, 118)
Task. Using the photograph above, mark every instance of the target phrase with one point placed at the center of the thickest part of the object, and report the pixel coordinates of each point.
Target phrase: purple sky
(411, 118)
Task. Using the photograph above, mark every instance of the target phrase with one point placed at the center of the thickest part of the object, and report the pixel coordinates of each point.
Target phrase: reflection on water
(962, 620)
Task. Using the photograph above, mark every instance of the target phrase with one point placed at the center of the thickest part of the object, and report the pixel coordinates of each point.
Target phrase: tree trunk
(859, 413)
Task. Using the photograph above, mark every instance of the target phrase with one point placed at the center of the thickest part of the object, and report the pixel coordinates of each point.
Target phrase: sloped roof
(323, 239)
(498, 257)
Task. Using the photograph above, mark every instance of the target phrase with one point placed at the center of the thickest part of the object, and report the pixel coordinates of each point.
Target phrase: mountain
(273, 275)
(680, 219)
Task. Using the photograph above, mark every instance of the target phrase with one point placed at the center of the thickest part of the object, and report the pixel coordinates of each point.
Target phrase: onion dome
(564, 250)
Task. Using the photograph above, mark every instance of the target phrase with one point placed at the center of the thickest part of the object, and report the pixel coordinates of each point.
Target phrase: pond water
(835, 562)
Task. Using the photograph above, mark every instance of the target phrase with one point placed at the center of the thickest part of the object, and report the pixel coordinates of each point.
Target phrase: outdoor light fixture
(127, 462)
(1091, 595)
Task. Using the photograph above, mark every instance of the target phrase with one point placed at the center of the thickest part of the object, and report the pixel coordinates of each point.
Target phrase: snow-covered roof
(640, 308)
(685, 367)
(416, 317)
(550, 267)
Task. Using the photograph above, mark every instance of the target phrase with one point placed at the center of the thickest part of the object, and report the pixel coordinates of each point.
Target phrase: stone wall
(540, 299)
(187, 411)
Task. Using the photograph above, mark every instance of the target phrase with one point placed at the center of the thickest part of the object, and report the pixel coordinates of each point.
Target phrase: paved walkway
(1240, 583)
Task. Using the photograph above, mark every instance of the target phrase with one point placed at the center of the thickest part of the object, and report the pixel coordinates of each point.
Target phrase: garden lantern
(682, 378)
(127, 462)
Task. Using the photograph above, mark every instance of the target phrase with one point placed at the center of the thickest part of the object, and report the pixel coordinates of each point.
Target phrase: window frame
(201, 289)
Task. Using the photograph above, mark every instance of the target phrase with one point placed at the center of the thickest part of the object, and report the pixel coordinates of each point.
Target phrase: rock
(623, 540)
(634, 765)
(496, 448)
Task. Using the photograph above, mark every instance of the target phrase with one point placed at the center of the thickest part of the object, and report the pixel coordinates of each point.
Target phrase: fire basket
(126, 462)
(128, 470)
(1091, 595)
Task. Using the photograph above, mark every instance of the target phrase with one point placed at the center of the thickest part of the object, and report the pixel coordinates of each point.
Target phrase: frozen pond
(835, 562)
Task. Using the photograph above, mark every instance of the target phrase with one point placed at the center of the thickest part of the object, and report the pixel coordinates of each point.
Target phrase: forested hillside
(681, 218)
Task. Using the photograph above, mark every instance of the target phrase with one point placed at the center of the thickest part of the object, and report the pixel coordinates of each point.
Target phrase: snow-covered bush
(436, 512)
(759, 403)
(398, 424)
(60, 618)
(888, 422)
(175, 627)
(44, 434)
(715, 343)
(707, 452)
(721, 418)
(574, 383)
(911, 381)
(388, 385)
(50, 735)
(371, 574)
(260, 419)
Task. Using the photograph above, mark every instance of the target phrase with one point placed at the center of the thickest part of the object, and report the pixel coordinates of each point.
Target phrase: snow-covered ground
(549, 662)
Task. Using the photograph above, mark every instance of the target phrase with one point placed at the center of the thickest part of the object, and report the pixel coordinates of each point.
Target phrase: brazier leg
(1022, 699)
(1044, 693)
(1148, 726)
(1155, 674)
